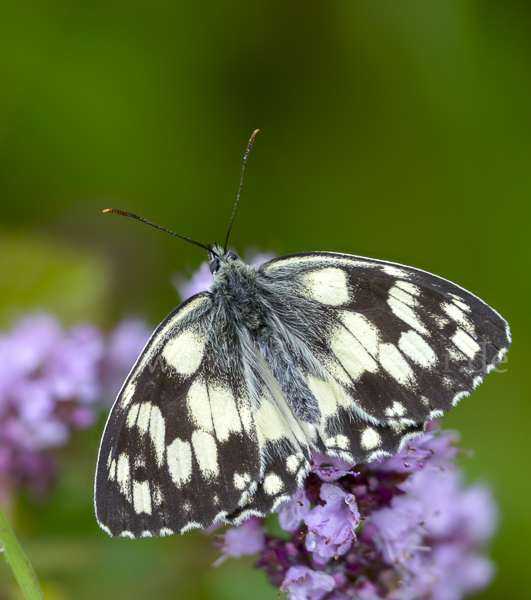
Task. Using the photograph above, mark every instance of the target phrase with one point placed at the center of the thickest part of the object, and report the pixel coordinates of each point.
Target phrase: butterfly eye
(214, 265)
(232, 256)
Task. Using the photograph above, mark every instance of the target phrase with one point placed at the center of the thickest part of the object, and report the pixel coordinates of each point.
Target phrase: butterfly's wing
(381, 348)
(198, 426)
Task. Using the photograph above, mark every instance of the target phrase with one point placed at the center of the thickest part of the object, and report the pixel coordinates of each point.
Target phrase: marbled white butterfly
(346, 355)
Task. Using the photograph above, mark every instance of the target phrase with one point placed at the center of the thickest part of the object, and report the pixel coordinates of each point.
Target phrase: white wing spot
(458, 301)
(123, 475)
(132, 416)
(241, 481)
(199, 406)
(417, 349)
(185, 352)
(394, 271)
(144, 414)
(292, 463)
(407, 314)
(272, 484)
(325, 396)
(351, 354)
(339, 441)
(362, 329)
(225, 415)
(403, 295)
(206, 452)
(397, 410)
(179, 457)
(459, 317)
(370, 438)
(414, 290)
(148, 418)
(342, 441)
(270, 424)
(112, 470)
(328, 286)
(157, 496)
(165, 531)
(157, 432)
(395, 364)
(141, 497)
(465, 343)
(461, 304)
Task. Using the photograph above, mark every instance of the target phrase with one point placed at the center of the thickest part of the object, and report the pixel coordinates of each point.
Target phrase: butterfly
(345, 355)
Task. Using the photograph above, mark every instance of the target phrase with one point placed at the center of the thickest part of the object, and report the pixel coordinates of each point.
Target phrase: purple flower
(51, 381)
(246, 539)
(399, 528)
(331, 526)
(305, 584)
(291, 513)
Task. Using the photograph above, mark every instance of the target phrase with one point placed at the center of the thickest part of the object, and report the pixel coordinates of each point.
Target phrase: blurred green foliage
(388, 129)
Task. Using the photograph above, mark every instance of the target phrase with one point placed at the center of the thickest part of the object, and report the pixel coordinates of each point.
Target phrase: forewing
(180, 449)
(398, 345)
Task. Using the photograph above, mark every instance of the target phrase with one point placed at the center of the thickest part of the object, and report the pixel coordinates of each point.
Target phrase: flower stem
(15, 557)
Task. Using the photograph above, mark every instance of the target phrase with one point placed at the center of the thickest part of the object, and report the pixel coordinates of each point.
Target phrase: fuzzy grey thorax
(234, 290)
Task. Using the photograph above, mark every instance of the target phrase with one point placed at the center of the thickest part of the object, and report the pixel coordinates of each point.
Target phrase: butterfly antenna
(126, 214)
(249, 146)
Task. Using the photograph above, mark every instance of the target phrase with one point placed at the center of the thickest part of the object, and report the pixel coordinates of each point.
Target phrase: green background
(396, 130)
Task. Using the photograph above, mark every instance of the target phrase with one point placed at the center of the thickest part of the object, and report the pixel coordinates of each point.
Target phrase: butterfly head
(219, 259)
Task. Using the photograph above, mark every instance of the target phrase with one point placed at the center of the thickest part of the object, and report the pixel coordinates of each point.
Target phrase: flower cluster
(51, 380)
(400, 528)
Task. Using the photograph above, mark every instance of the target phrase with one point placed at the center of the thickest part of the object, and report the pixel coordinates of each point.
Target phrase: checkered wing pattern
(391, 347)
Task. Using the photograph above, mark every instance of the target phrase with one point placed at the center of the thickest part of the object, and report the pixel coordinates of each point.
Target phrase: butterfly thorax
(235, 293)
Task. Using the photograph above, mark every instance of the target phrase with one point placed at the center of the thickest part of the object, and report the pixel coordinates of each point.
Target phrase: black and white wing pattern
(390, 347)
(196, 431)
(342, 354)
